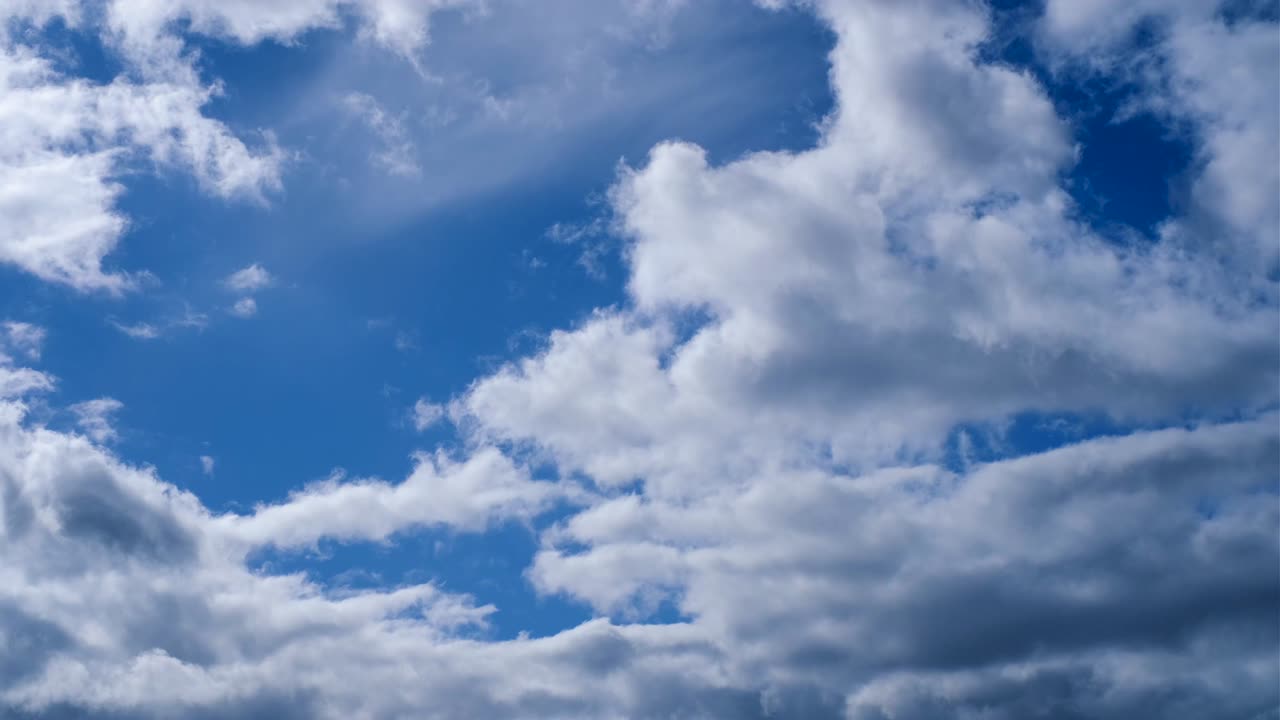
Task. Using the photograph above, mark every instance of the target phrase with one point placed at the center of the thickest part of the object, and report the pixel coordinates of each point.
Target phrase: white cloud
(138, 331)
(1021, 546)
(761, 435)
(426, 414)
(94, 418)
(249, 279)
(17, 382)
(920, 270)
(399, 25)
(469, 495)
(899, 304)
(24, 337)
(397, 155)
(65, 139)
(1219, 76)
(245, 308)
(206, 464)
(403, 25)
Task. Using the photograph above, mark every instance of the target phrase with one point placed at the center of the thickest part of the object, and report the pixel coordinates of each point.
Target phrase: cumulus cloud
(1212, 66)
(1027, 551)
(920, 270)
(757, 440)
(21, 381)
(129, 597)
(401, 25)
(67, 139)
(140, 551)
(486, 487)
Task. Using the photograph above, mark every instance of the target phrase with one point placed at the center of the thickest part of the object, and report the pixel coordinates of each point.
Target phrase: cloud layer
(761, 441)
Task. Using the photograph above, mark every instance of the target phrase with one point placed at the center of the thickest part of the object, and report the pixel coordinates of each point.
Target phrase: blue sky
(368, 314)
(466, 282)
(639, 358)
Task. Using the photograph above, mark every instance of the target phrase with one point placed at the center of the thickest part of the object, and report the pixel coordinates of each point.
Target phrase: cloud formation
(94, 418)
(757, 440)
(245, 308)
(24, 338)
(251, 278)
(67, 139)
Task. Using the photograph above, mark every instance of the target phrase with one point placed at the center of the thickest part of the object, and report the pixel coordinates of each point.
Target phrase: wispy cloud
(138, 331)
(24, 338)
(426, 413)
(94, 418)
(245, 308)
(397, 154)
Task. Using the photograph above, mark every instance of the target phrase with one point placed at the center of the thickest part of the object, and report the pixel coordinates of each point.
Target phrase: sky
(849, 359)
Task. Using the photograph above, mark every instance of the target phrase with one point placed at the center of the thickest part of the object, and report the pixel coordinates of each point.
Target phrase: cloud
(94, 418)
(24, 338)
(249, 279)
(18, 382)
(425, 414)
(131, 598)
(399, 25)
(245, 308)
(1180, 77)
(486, 487)
(206, 464)
(67, 139)
(757, 440)
(137, 331)
(1108, 639)
(863, 571)
(398, 153)
(75, 516)
(769, 415)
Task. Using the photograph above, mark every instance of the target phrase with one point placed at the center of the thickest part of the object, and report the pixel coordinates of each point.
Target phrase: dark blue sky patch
(1025, 433)
(1134, 165)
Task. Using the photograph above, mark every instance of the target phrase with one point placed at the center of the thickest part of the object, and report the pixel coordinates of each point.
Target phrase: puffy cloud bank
(762, 436)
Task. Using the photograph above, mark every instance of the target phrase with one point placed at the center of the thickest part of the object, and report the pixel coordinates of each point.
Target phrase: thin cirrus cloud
(743, 470)
(138, 331)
